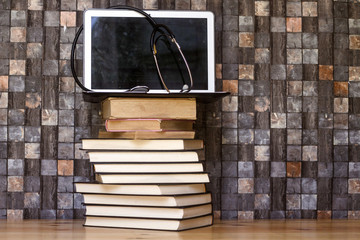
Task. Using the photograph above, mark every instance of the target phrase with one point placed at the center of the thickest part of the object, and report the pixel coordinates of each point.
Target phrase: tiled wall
(285, 144)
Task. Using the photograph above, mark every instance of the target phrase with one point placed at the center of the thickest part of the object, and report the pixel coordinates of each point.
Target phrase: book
(161, 108)
(154, 224)
(148, 167)
(148, 135)
(140, 189)
(149, 211)
(148, 200)
(122, 125)
(153, 178)
(127, 144)
(143, 156)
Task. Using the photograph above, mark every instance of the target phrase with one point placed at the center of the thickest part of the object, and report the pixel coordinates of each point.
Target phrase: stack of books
(147, 170)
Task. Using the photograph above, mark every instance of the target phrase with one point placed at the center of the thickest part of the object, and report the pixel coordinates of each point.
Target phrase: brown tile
(294, 88)
(293, 169)
(230, 86)
(218, 71)
(246, 72)
(245, 185)
(354, 73)
(17, 34)
(4, 83)
(33, 100)
(65, 167)
(354, 42)
(17, 67)
(341, 105)
(341, 89)
(245, 215)
(309, 9)
(293, 24)
(262, 8)
(15, 184)
(326, 72)
(68, 19)
(246, 39)
(354, 185)
(323, 214)
(14, 214)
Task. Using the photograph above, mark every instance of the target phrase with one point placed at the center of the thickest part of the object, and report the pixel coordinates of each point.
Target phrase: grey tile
(278, 72)
(293, 153)
(354, 170)
(293, 185)
(308, 201)
(15, 167)
(229, 169)
(262, 137)
(49, 167)
(246, 136)
(246, 88)
(309, 40)
(245, 169)
(340, 169)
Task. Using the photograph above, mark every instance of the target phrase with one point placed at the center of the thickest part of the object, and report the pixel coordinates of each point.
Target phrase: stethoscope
(159, 30)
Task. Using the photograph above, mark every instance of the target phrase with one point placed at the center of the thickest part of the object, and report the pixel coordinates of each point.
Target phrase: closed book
(161, 108)
(140, 189)
(153, 178)
(154, 224)
(148, 134)
(147, 167)
(121, 125)
(148, 200)
(149, 211)
(126, 144)
(143, 156)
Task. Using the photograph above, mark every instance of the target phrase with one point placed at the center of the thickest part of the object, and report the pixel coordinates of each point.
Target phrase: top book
(144, 108)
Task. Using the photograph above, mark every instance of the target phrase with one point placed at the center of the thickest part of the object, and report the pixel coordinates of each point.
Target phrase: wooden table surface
(257, 229)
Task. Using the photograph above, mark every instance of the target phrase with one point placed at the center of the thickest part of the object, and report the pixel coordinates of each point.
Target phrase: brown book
(140, 189)
(161, 108)
(122, 125)
(149, 223)
(130, 144)
(148, 135)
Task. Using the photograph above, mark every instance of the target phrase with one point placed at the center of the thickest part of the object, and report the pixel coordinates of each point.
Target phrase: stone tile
(341, 105)
(229, 120)
(32, 200)
(354, 73)
(17, 34)
(278, 120)
(354, 26)
(230, 103)
(309, 9)
(310, 88)
(65, 184)
(310, 56)
(293, 40)
(309, 40)
(262, 201)
(68, 19)
(354, 42)
(32, 150)
(262, 137)
(326, 72)
(262, 153)
(354, 186)
(16, 133)
(49, 117)
(245, 185)
(294, 104)
(246, 72)
(51, 18)
(3, 133)
(355, 215)
(278, 72)
(246, 136)
(341, 89)
(326, 120)
(354, 170)
(277, 24)
(262, 55)
(246, 24)
(245, 120)
(245, 215)
(246, 39)
(293, 169)
(33, 100)
(293, 24)
(354, 137)
(262, 104)
(16, 84)
(230, 86)
(18, 18)
(4, 83)
(341, 137)
(278, 169)
(17, 67)
(308, 201)
(294, 137)
(294, 56)
(294, 120)
(294, 88)
(262, 8)
(66, 117)
(65, 150)
(310, 104)
(309, 153)
(32, 134)
(293, 201)
(293, 9)
(35, 5)
(229, 136)
(65, 200)
(294, 153)
(14, 215)
(246, 88)
(15, 183)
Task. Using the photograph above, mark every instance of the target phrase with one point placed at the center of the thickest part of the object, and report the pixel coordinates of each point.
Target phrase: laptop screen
(118, 54)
